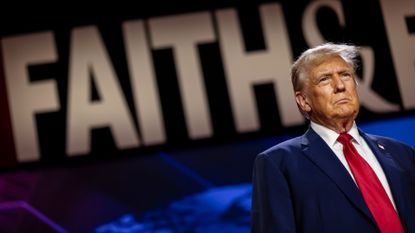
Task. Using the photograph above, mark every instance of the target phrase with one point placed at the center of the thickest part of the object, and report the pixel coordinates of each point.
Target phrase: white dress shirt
(330, 137)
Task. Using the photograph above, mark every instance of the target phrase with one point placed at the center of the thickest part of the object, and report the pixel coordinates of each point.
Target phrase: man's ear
(302, 101)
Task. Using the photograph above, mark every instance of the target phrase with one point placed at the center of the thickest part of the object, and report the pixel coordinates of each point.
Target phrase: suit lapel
(322, 156)
(392, 171)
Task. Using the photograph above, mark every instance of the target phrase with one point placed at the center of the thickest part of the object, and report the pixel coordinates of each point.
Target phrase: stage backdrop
(147, 118)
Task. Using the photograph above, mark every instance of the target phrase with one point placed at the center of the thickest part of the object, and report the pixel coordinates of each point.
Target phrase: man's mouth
(343, 100)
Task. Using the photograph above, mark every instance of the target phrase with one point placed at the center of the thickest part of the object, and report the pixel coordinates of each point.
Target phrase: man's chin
(346, 115)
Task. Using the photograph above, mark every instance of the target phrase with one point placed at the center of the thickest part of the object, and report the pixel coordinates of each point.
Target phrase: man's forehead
(331, 65)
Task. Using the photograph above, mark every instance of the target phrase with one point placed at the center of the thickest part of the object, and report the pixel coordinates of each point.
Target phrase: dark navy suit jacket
(301, 186)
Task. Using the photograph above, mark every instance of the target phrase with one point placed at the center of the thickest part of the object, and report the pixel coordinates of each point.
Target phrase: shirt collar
(330, 136)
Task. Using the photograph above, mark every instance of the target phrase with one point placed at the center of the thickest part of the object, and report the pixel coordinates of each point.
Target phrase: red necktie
(372, 190)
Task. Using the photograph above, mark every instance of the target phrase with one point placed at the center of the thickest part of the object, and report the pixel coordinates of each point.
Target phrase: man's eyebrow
(328, 72)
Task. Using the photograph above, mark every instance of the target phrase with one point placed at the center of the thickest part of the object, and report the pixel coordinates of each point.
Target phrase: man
(334, 178)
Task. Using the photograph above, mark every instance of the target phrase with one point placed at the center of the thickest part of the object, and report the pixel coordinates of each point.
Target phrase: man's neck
(339, 126)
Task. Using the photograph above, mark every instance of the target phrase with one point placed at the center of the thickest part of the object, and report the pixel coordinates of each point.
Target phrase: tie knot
(344, 138)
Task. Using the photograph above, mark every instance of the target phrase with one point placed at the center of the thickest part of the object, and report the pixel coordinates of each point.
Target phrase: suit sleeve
(272, 209)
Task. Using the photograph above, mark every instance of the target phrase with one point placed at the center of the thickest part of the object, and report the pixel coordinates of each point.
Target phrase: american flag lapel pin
(381, 146)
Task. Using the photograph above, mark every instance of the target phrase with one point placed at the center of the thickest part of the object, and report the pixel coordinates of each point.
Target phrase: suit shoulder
(390, 142)
(289, 146)
(401, 151)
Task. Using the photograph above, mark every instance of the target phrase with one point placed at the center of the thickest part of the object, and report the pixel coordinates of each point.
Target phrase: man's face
(330, 95)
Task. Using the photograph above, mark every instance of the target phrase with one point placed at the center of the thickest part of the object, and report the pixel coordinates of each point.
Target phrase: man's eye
(346, 75)
(323, 79)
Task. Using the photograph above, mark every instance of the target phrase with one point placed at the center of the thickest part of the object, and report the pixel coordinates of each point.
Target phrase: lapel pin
(381, 146)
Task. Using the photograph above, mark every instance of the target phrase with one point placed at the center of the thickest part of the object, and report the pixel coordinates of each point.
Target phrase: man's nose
(338, 83)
